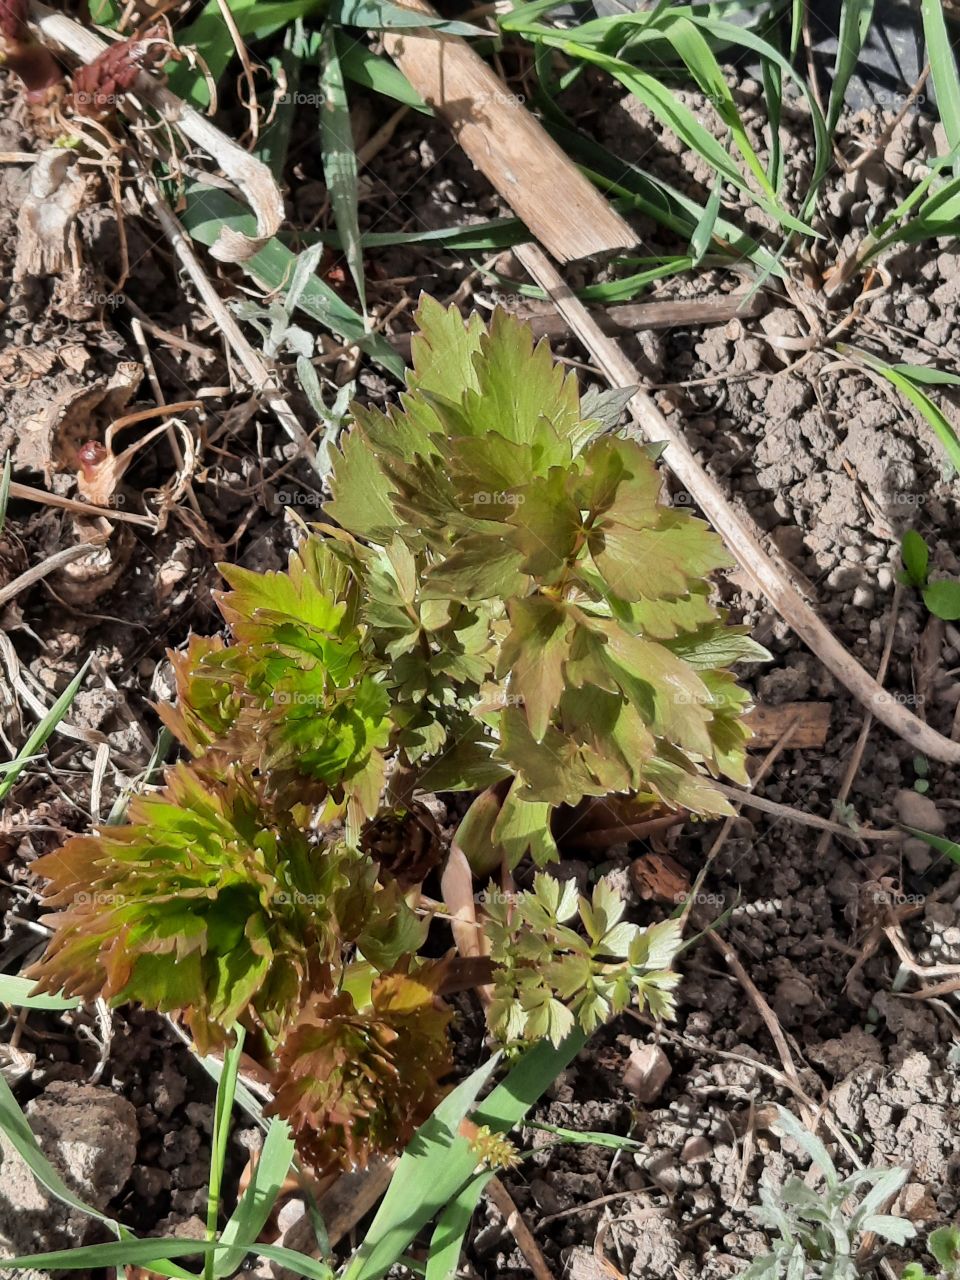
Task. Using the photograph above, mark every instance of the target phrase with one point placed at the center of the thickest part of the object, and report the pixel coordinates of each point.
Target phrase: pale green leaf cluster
(549, 977)
(819, 1229)
(544, 617)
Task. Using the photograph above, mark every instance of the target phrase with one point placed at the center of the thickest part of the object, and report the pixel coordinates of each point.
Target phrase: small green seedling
(944, 1245)
(942, 597)
(817, 1233)
(921, 767)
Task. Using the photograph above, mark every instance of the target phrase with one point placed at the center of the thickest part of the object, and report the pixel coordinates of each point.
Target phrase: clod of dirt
(647, 1071)
(47, 424)
(916, 810)
(89, 1134)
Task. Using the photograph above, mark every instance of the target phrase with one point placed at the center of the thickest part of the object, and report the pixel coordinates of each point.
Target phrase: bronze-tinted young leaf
(355, 1082)
(206, 903)
(639, 564)
(532, 658)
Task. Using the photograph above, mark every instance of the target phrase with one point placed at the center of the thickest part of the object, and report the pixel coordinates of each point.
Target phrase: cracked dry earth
(834, 468)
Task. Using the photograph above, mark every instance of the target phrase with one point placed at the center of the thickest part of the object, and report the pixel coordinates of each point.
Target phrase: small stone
(647, 1071)
(663, 1170)
(291, 1211)
(915, 810)
(863, 598)
(793, 991)
(696, 1150)
(918, 854)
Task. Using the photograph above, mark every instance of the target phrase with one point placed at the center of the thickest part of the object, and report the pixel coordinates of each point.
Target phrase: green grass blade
(207, 210)
(250, 1215)
(15, 991)
(340, 160)
(949, 848)
(209, 35)
(493, 233)
(855, 19)
(43, 731)
(104, 13)
(373, 71)
(438, 1163)
(699, 60)
(926, 374)
(222, 1117)
(681, 120)
(943, 68)
(298, 48)
(431, 1171)
(382, 15)
(5, 489)
(705, 229)
(902, 378)
(446, 1245)
(772, 78)
(152, 1254)
(588, 1138)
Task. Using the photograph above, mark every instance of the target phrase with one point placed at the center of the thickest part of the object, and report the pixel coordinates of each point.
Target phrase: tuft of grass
(38, 737)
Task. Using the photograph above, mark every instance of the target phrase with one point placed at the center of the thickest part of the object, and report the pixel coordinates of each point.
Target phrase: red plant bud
(32, 62)
(90, 456)
(13, 20)
(98, 86)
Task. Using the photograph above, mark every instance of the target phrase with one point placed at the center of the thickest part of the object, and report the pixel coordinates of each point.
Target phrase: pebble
(696, 1150)
(916, 810)
(918, 854)
(647, 1071)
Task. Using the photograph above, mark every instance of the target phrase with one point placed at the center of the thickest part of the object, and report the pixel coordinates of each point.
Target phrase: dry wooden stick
(766, 1013)
(724, 833)
(87, 509)
(59, 558)
(503, 1200)
(248, 173)
(853, 764)
(507, 144)
(631, 316)
(255, 368)
(738, 532)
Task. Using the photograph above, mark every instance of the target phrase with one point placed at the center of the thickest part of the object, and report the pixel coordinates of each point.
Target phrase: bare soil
(832, 466)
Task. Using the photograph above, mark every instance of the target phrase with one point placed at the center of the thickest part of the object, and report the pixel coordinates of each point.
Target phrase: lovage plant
(544, 618)
(503, 602)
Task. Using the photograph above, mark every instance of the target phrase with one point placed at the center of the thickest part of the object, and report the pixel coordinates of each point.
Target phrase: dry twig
(741, 537)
